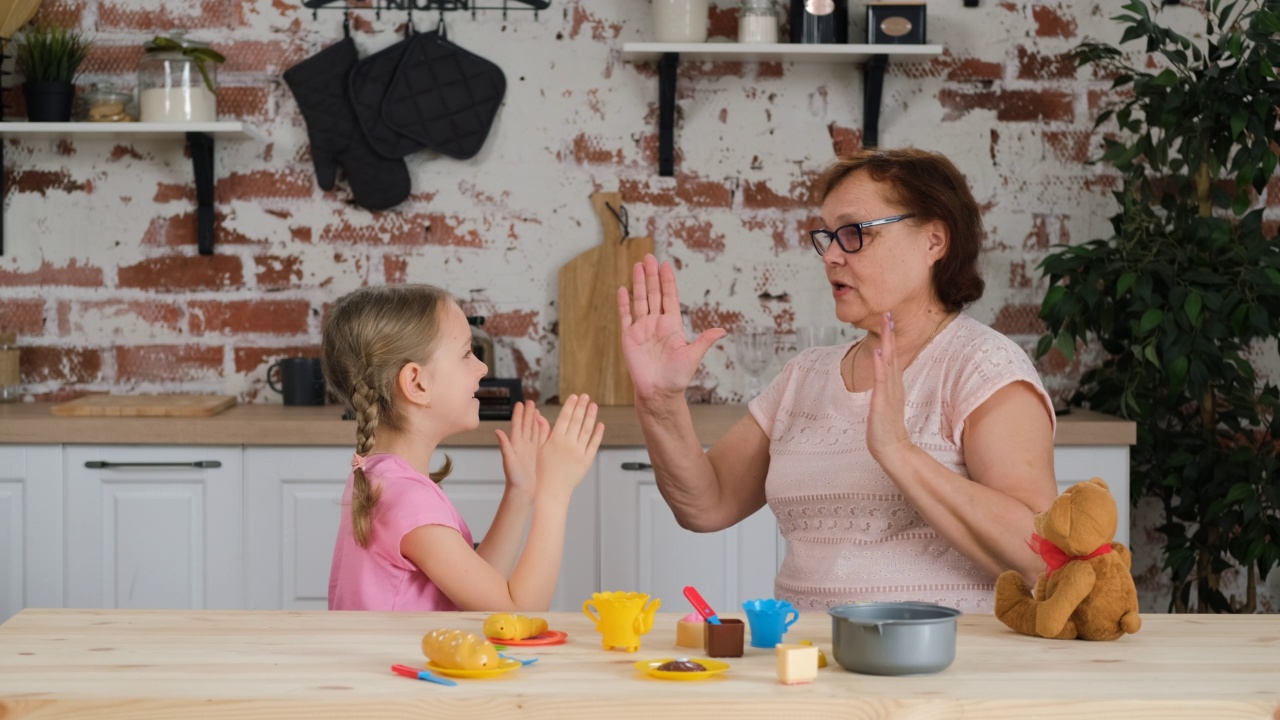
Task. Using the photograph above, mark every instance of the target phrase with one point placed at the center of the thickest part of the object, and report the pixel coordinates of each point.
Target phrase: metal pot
(893, 638)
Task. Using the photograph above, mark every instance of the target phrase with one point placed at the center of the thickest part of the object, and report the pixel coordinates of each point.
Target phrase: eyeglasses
(848, 237)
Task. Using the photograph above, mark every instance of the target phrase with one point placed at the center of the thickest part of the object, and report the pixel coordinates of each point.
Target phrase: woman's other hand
(659, 356)
(529, 430)
(887, 438)
(570, 448)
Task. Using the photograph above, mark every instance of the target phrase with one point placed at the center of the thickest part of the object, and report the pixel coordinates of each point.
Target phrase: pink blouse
(851, 534)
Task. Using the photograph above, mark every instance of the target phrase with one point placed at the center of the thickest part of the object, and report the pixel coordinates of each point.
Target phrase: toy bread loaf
(506, 626)
(459, 650)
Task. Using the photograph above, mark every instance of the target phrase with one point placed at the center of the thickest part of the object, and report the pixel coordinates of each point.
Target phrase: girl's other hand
(570, 448)
(529, 430)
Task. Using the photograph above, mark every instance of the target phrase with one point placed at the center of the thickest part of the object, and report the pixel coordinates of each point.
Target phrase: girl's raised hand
(570, 448)
(529, 430)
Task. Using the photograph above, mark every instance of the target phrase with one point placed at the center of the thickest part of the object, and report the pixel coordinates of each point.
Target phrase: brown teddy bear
(1086, 590)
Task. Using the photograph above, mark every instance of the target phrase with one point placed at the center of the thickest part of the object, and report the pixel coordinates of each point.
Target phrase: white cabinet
(292, 510)
(30, 527)
(153, 527)
(643, 549)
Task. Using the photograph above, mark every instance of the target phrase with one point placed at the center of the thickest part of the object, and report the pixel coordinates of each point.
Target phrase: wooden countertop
(160, 663)
(32, 423)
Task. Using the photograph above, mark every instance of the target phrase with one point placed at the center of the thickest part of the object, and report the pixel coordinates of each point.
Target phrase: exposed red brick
(58, 364)
(120, 152)
(844, 141)
(300, 234)
(42, 181)
(1053, 22)
(181, 273)
(113, 59)
(600, 30)
(395, 269)
(512, 324)
(587, 151)
(243, 102)
(123, 15)
(64, 13)
(705, 317)
(699, 237)
(769, 70)
(1019, 320)
(262, 184)
(278, 273)
(1009, 105)
(180, 231)
(172, 192)
(1273, 191)
(1036, 66)
(1038, 238)
(696, 192)
(783, 232)
(648, 147)
(758, 194)
(112, 316)
(1018, 277)
(156, 363)
(723, 23)
(71, 274)
(256, 56)
(402, 228)
(66, 148)
(1069, 145)
(971, 69)
(235, 317)
(1270, 228)
(643, 193)
(25, 317)
(249, 359)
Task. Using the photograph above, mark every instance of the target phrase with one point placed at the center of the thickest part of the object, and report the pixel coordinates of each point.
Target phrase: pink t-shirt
(378, 577)
(851, 534)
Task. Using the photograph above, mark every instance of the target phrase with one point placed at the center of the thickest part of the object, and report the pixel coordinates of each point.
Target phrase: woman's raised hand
(565, 457)
(659, 356)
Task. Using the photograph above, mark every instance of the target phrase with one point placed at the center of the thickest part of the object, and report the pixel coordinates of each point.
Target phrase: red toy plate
(550, 637)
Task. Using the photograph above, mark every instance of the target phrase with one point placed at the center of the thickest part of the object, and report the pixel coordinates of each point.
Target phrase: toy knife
(701, 605)
(412, 672)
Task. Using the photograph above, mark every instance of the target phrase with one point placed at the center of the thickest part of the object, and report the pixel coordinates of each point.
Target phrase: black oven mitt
(443, 97)
(319, 84)
(366, 85)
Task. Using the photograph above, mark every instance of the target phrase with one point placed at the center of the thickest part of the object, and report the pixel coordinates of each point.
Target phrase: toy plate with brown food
(682, 668)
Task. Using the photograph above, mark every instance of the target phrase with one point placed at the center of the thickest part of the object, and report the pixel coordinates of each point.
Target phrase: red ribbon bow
(1055, 557)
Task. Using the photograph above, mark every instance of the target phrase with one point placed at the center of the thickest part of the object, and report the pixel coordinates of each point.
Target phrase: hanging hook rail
(409, 6)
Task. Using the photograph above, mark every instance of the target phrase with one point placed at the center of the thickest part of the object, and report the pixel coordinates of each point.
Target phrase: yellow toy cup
(624, 617)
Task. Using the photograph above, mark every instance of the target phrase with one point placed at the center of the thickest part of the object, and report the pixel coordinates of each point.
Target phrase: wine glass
(755, 348)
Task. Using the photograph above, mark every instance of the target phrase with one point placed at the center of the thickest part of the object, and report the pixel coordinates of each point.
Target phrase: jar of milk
(178, 81)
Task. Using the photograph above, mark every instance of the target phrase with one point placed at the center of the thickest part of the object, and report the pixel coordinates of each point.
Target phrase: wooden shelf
(668, 56)
(199, 136)
(774, 52)
(223, 129)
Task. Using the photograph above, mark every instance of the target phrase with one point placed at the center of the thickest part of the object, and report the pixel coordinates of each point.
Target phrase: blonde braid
(364, 495)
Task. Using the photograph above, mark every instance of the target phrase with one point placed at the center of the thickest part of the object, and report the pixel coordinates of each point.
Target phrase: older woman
(905, 466)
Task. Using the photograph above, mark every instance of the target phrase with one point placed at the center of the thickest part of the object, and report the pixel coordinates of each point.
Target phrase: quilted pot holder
(443, 96)
(367, 85)
(319, 84)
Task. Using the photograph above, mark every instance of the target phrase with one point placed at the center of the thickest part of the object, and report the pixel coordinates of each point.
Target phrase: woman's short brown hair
(927, 185)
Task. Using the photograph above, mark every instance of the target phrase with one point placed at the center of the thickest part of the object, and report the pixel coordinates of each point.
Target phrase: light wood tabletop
(143, 664)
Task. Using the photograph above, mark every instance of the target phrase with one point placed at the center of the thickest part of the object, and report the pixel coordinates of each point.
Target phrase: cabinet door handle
(636, 466)
(100, 464)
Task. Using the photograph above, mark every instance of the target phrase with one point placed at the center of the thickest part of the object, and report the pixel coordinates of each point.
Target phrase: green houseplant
(1178, 298)
(49, 59)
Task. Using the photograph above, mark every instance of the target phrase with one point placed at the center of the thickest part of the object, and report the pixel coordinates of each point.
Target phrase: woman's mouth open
(839, 289)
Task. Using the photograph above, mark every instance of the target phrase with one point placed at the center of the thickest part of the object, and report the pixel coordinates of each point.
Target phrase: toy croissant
(1086, 590)
(459, 650)
(506, 626)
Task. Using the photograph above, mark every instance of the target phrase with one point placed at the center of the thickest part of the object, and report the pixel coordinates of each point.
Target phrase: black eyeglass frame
(834, 235)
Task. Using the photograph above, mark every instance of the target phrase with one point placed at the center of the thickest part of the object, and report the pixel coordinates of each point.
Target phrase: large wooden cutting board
(590, 334)
(144, 406)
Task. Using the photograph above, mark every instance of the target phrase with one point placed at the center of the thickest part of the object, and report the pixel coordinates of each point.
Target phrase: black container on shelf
(819, 21)
(48, 101)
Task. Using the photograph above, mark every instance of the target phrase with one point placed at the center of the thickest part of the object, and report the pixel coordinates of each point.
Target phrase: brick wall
(101, 278)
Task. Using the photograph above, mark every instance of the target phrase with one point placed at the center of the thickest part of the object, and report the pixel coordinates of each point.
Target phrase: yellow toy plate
(504, 665)
(713, 667)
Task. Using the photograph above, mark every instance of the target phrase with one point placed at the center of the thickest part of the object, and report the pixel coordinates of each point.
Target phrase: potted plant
(1186, 287)
(49, 59)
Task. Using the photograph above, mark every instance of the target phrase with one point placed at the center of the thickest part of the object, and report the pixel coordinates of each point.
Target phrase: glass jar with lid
(178, 81)
(757, 22)
(103, 102)
(10, 372)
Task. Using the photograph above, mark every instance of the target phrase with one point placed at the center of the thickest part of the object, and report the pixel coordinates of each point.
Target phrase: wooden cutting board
(590, 334)
(144, 406)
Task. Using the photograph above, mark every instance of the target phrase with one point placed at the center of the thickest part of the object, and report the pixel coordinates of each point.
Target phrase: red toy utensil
(701, 605)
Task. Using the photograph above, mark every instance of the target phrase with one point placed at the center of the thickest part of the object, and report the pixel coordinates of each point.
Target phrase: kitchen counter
(271, 425)
(160, 663)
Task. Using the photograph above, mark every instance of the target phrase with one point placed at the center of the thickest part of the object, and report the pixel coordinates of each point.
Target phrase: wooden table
(161, 664)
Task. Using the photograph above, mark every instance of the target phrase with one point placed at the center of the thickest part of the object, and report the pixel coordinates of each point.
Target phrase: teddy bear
(1086, 590)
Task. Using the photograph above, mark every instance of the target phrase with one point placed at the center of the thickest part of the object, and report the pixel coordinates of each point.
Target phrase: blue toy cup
(769, 620)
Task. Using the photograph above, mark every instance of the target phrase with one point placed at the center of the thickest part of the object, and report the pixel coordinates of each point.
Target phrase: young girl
(400, 356)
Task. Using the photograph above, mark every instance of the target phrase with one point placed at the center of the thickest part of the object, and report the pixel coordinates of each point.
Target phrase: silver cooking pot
(893, 638)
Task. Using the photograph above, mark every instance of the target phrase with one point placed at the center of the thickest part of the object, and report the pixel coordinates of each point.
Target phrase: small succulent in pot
(49, 58)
